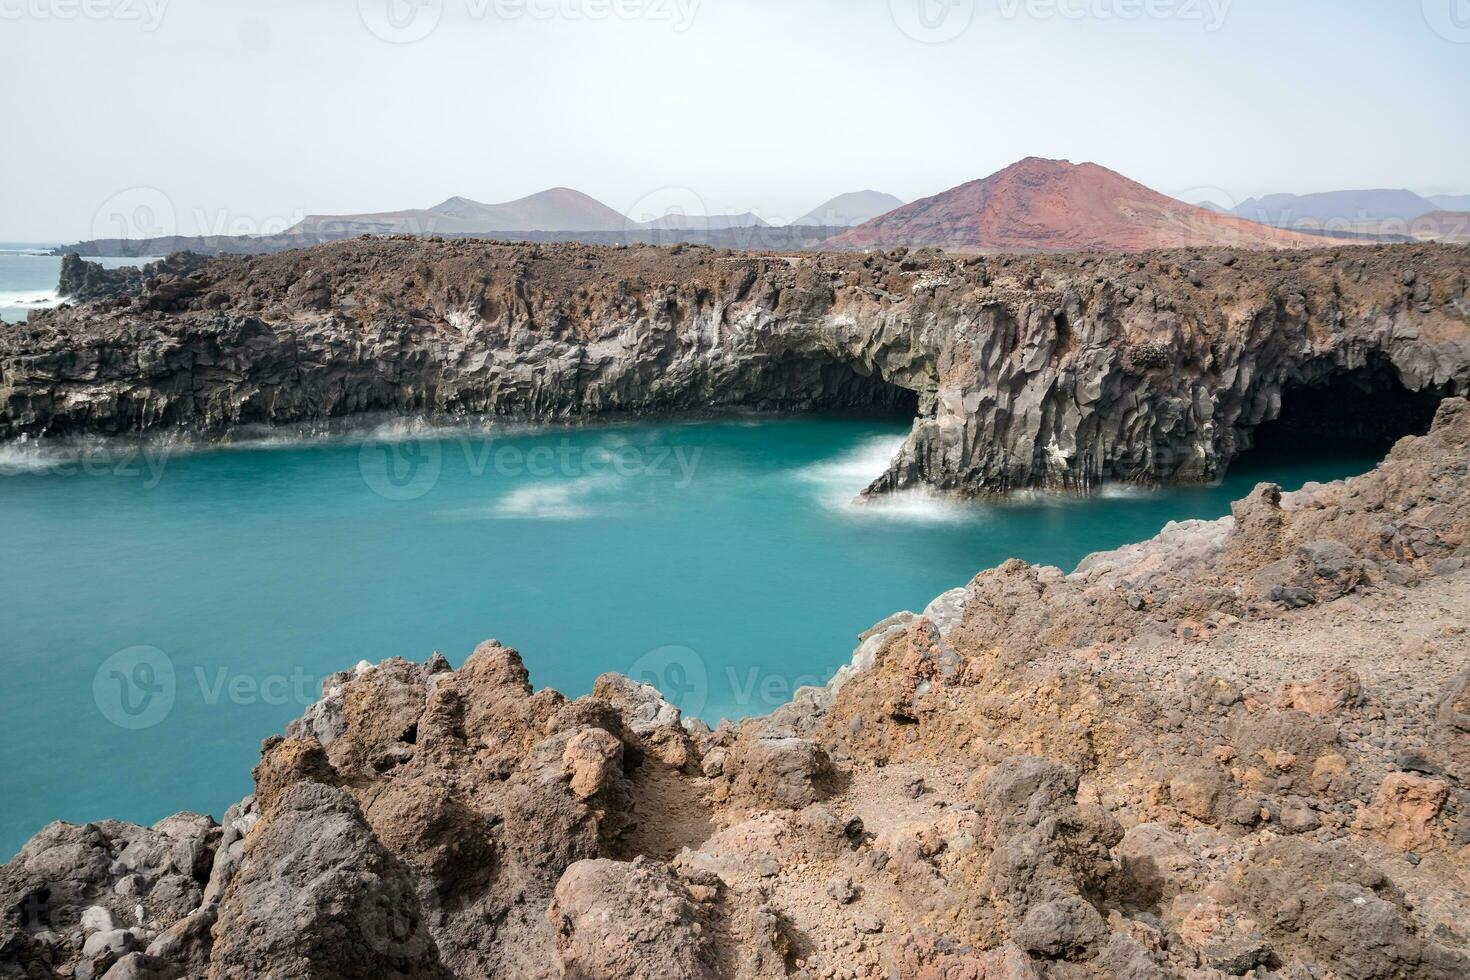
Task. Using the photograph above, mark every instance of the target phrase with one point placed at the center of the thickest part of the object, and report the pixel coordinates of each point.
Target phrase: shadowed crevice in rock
(820, 381)
(1366, 409)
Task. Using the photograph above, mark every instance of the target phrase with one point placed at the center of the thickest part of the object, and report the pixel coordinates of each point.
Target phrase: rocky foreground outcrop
(1241, 748)
(1060, 371)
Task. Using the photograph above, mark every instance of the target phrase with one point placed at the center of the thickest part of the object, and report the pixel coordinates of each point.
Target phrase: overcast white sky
(242, 115)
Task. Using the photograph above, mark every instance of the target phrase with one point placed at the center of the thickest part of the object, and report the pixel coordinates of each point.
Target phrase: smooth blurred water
(28, 277)
(724, 560)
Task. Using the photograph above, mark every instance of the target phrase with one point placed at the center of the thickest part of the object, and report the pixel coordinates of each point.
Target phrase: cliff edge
(1057, 371)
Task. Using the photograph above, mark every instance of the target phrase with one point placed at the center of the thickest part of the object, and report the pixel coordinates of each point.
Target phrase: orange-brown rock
(1403, 812)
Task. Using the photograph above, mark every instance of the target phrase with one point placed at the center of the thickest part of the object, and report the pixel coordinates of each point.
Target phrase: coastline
(1022, 372)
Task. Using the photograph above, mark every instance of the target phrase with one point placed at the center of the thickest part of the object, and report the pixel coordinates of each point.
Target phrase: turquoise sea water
(159, 615)
(28, 277)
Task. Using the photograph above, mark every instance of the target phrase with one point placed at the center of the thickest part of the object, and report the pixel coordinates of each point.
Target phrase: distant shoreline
(784, 238)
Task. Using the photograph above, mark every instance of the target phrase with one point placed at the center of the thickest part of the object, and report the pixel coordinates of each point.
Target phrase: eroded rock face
(1058, 371)
(319, 896)
(1160, 765)
(635, 921)
(1454, 726)
(86, 896)
(1345, 911)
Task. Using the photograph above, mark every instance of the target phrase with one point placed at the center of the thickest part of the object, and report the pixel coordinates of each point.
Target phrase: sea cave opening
(1359, 413)
(821, 383)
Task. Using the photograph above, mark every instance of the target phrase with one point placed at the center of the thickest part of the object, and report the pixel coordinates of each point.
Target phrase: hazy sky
(237, 116)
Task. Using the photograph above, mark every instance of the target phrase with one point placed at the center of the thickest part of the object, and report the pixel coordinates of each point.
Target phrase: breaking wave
(28, 299)
(840, 482)
(567, 501)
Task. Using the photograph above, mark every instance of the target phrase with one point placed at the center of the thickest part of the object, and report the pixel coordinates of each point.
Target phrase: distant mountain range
(564, 209)
(1033, 205)
(1055, 205)
(557, 209)
(703, 222)
(1451, 202)
(1369, 205)
(848, 210)
(1380, 213)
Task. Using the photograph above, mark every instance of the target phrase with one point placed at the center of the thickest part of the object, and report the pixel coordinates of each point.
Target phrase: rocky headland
(1239, 749)
(1043, 371)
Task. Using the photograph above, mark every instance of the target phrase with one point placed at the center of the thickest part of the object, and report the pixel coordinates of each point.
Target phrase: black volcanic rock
(158, 285)
(83, 281)
(1059, 371)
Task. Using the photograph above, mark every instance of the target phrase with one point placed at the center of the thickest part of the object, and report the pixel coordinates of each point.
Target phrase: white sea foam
(916, 507)
(1125, 491)
(852, 472)
(20, 458)
(565, 501)
(28, 299)
(44, 456)
(1070, 498)
(839, 483)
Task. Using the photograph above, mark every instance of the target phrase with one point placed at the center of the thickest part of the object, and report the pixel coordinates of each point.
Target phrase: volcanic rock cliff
(1242, 748)
(1058, 371)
